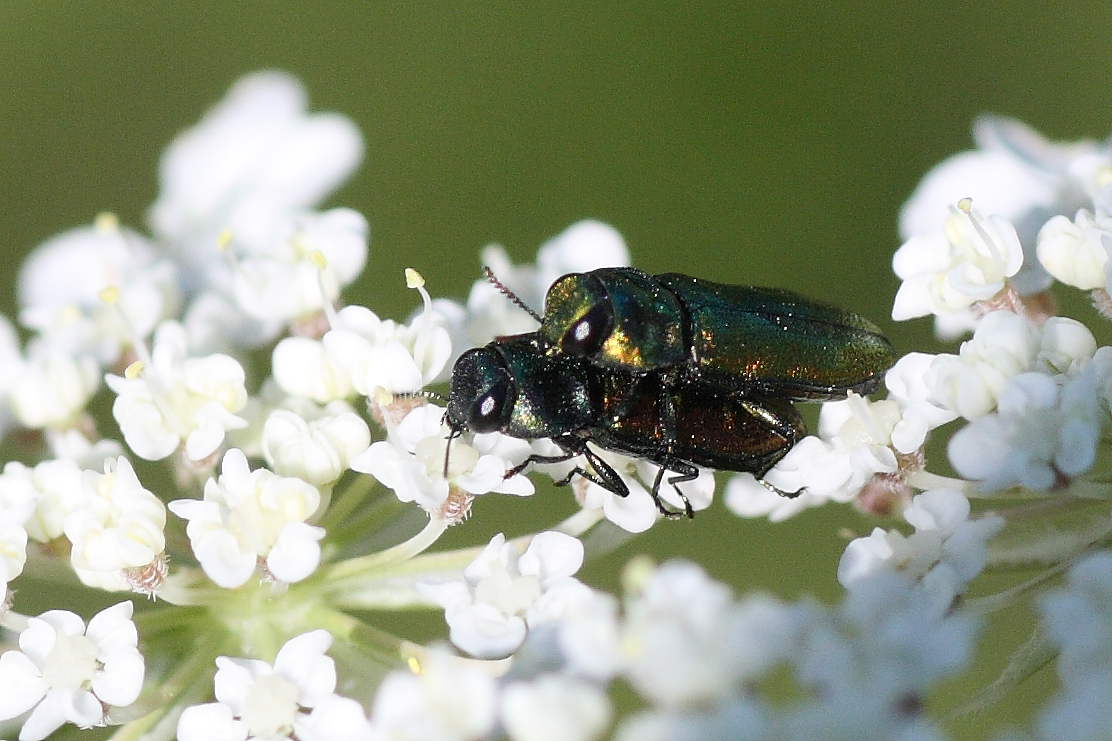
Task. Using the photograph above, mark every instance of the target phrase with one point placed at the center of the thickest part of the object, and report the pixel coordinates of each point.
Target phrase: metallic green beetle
(512, 386)
(750, 340)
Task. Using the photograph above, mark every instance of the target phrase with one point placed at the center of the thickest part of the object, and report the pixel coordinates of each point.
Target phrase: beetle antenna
(505, 291)
(422, 394)
(448, 448)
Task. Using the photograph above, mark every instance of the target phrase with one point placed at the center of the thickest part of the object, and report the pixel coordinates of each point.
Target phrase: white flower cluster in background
(294, 440)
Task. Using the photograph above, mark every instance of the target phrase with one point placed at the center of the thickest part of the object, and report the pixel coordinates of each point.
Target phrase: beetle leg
(686, 472)
(781, 492)
(538, 459)
(604, 474)
(785, 428)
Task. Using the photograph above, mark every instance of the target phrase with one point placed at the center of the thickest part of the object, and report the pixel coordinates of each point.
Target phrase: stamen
(413, 279)
(965, 205)
(321, 263)
(110, 295)
(106, 222)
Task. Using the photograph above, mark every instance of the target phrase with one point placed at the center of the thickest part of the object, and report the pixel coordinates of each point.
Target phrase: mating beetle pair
(673, 369)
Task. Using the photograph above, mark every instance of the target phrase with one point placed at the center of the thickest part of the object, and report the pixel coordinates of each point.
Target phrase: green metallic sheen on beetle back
(779, 341)
(645, 328)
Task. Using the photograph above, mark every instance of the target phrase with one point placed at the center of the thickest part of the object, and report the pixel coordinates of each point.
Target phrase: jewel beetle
(742, 339)
(512, 385)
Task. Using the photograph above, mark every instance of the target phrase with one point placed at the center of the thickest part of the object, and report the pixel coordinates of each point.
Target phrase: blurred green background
(760, 143)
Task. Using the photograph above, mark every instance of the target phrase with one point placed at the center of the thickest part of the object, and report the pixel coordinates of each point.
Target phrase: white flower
(1076, 252)
(259, 701)
(335, 718)
(919, 412)
(737, 719)
(250, 516)
(584, 246)
(214, 323)
(118, 526)
(283, 276)
(1040, 436)
(317, 450)
(1015, 173)
(40, 498)
(52, 386)
(449, 700)
(61, 284)
(411, 462)
(587, 633)
(503, 594)
(256, 156)
(75, 446)
(853, 445)
(946, 551)
(1076, 619)
(65, 672)
(686, 643)
(178, 398)
(1081, 712)
(13, 551)
(1005, 345)
(554, 708)
(382, 354)
(950, 270)
(885, 641)
(303, 367)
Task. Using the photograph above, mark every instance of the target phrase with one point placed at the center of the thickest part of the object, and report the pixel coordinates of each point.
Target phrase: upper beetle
(743, 339)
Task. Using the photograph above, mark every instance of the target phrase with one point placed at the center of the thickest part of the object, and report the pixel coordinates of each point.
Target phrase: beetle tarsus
(778, 491)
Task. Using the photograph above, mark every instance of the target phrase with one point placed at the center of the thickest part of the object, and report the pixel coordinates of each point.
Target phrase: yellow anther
(414, 665)
(109, 294)
(224, 240)
(382, 397)
(106, 222)
(317, 258)
(134, 370)
(965, 205)
(413, 279)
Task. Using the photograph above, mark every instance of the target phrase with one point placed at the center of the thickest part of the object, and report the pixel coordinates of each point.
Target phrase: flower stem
(369, 565)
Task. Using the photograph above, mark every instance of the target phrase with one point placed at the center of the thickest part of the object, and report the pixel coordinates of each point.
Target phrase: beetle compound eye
(486, 411)
(587, 334)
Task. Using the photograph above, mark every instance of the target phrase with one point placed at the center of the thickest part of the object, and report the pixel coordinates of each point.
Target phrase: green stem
(341, 535)
(927, 480)
(1034, 654)
(348, 501)
(1008, 597)
(157, 620)
(369, 565)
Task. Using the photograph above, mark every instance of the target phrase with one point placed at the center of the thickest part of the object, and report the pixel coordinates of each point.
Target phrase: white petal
(296, 552)
(24, 685)
(551, 555)
(212, 721)
(302, 661)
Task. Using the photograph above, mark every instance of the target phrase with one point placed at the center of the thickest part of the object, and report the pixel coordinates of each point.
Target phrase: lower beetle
(512, 386)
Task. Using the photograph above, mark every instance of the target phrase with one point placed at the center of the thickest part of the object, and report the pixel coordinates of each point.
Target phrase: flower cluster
(240, 495)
